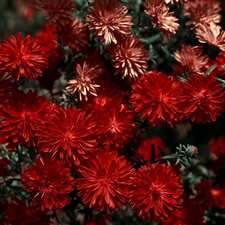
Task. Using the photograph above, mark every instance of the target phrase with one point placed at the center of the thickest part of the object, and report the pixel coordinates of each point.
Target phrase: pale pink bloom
(176, 1)
(107, 18)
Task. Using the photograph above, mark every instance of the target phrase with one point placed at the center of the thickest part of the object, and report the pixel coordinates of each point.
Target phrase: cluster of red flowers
(112, 91)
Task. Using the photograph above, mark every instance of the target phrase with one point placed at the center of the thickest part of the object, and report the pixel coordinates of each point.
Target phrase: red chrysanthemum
(191, 213)
(67, 135)
(155, 191)
(49, 183)
(157, 97)
(18, 212)
(21, 57)
(218, 147)
(21, 116)
(85, 81)
(202, 98)
(114, 125)
(211, 34)
(105, 182)
(130, 57)
(6, 87)
(191, 59)
(59, 11)
(75, 35)
(161, 17)
(107, 18)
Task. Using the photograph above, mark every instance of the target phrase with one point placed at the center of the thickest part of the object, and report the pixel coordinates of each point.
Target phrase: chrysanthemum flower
(18, 212)
(114, 125)
(176, 1)
(157, 97)
(21, 115)
(59, 11)
(218, 147)
(105, 181)
(6, 87)
(67, 135)
(155, 192)
(202, 11)
(202, 98)
(21, 57)
(85, 82)
(107, 18)
(48, 182)
(161, 17)
(75, 35)
(130, 57)
(188, 214)
(191, 59)
(211, 34)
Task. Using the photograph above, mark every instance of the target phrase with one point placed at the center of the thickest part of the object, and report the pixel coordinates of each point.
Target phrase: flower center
(202, 98)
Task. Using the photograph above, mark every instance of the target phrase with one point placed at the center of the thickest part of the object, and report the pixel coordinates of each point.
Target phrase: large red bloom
(21, 116)
(48, 182)
(21, 57)
(105, 182)
(155, 192)
(202, 98)
(60, 11)
(18, 212)
(107, 18)
(67, 135)
(130, 57)
(157, 97)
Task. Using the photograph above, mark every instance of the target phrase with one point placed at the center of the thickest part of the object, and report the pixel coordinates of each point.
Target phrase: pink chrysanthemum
(105, 181)
(18, 212)
(59, 11)
(157, 97)
(107, 18)
(49, 183)
(21, 57)
(202, 98)
(21, 116)
(155, 192)
(130, 57)
(85, 82)
(67, 135)
(75, 35)
(211, 34)
(161, 17)
(191, 59)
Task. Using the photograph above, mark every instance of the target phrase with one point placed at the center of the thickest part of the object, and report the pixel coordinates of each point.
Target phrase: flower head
(21, 116)
(84, 83)
(161, 17)
(202, 98)
(130, 57)
(218, 147)
(18, 212)
(49, 183)
(59, 11)
(107, 18)
(191, 59)
(155, 191)
(67, 135)
(157, 96)
(21, 57)
(105, 181)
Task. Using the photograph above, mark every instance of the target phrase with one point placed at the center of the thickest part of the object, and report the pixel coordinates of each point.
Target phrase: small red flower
(6, 87)
(155, 192)
(18, 212)
(107, 18)
(66, 135)
(59, 11)
(157, 97)
(191, 59)
(130, 57)
(49, 183)
(202, 98)
(21, 57)
(105, 181)
(218, 147)
(21, 116)
(161, 17)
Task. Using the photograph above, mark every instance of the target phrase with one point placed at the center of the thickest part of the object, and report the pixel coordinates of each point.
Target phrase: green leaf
(150, 40)
(223, 67)
(210, 70)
